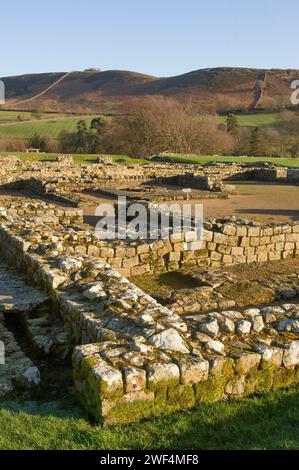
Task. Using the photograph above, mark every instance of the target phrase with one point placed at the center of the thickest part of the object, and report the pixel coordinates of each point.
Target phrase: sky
(157, 37)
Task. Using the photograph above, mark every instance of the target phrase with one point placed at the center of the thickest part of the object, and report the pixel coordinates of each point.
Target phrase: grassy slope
(47, 127)
(12, 116)
(256, 120)
(266, 422)
(51, 125)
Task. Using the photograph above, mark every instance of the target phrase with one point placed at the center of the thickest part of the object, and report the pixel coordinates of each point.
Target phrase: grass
(256, 119)
(13, 116)
(202, 159)
(270, 421)
(187, 159)
(50, 127)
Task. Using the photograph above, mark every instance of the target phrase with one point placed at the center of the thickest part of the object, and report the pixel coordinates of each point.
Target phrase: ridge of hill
(213, 90)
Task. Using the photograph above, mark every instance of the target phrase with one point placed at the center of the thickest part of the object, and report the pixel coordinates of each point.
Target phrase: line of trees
(281, 140)
(158, 124)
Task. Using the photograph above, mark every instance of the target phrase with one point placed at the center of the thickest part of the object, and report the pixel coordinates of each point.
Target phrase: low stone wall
(141, 358)
(40, 212)
(271, 174)
(223, 244)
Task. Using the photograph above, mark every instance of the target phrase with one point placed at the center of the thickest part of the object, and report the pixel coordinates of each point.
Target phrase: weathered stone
(215, 347)
(245, 362)
(210, 328)
(270, 355)
(227, 326)
(163, 373)
(32, 376)
(169, 340)
(95, 292)
(193, 370)
(110, 379)
(258, 324)
(243, 327)
(69, 264)
(291, 354)
(135, 379)
(236, 386)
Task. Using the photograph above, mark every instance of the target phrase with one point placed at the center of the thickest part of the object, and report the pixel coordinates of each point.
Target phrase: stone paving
(15, 293)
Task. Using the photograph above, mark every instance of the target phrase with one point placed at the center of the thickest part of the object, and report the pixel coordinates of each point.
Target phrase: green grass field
(16, 116)
(256, 119)
(270, 421)
(202, 159)
(186, 159)
(50, 127)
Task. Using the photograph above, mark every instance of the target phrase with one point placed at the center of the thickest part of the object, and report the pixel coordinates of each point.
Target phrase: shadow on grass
(270, 421)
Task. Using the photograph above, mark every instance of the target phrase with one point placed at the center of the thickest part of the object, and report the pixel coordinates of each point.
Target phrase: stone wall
(139, 358)
(224, 244)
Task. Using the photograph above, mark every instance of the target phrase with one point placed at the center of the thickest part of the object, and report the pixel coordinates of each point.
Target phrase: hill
(47, 126)
(211, 90)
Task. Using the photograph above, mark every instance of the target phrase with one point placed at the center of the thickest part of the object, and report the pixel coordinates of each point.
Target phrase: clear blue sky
(158, 37)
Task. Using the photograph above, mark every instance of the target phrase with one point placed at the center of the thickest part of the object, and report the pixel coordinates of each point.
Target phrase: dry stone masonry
(133, 357)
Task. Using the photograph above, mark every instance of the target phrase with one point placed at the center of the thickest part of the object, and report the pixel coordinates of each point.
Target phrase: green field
(256, 119)
(49, 126)
(266, 422)
(202, 159)
(16, 116)
(186, 159)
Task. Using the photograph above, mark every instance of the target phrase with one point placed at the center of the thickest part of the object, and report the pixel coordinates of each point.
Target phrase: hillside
(212, 90)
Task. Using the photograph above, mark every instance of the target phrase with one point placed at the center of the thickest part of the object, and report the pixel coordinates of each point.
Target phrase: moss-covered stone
(259, 381)
(181, 395)
(284, 378)
(211, 390)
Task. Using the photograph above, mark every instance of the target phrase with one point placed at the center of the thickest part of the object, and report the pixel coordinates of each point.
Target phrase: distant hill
(211, 90)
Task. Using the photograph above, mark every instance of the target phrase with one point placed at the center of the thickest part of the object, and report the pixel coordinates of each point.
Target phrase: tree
(232, 125)
(97, 124)
(82, 137)
(257, 143)
(158, 124)
(39, 142)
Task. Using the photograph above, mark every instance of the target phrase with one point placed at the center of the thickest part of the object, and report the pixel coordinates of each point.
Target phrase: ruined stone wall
(223, 244)
(65, 177)
(142, 359)
(271, 174)
(40, 212)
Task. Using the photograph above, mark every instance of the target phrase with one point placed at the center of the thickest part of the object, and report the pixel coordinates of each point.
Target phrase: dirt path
(262, 202)
(43, 92)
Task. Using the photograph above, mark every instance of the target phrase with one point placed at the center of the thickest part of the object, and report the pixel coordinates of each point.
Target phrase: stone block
(193, 370)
